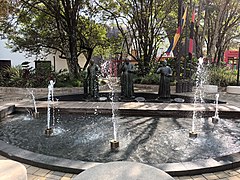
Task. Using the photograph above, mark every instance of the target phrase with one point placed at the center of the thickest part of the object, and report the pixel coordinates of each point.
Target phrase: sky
(16, 58)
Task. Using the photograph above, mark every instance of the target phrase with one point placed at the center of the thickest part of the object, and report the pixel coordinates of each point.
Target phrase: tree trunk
(216, 33)
(73, 67)
(200, 38)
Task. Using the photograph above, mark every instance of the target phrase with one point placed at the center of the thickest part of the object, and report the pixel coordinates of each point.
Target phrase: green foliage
(63, 80)
(141, 26)
(20, 77)
(151, 78)
(111, 45)
(42, 27)
(222, 76)
(13, 76)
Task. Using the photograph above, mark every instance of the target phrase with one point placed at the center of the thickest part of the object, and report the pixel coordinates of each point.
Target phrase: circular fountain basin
(149, 140)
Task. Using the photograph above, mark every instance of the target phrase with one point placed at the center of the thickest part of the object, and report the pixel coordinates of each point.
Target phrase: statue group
(91, 87)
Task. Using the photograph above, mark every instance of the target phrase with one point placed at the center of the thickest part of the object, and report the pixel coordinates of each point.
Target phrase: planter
(184, 86)
(233, 89)
(210, 88)
(179, 88)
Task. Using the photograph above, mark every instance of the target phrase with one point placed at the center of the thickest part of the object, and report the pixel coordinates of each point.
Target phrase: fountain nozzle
(215, 120)
(48, 131)
(192, 134)
(36, 114)
(114, 145)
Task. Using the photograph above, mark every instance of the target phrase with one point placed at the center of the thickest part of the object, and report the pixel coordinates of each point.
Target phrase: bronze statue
(127, 71)
(164, 85)
(92, 80)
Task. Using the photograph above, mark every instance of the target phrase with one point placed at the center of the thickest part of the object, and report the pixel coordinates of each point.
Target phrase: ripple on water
(148, 140)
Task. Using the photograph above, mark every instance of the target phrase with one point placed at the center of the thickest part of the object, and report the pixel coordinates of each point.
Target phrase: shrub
(222, 76)
(29, 78)
(149, 79)
(12, 76)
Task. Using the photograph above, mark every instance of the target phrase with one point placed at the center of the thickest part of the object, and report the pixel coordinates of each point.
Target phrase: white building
(15, 58)
(18, 58)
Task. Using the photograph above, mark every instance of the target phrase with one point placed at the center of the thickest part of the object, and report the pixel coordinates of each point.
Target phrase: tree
(141, 25)
(228, 29)
(220, 26)
(6, 7)
(47, 26)
(112, 47)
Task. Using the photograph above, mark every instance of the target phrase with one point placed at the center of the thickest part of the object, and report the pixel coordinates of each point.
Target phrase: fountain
(198, 95)
(111, 81)
(49, 130)
(148, 139)
(216, 118)
(114, 144)
(36, 113)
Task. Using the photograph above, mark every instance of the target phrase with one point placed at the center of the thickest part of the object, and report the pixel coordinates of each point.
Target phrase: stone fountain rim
(73, 166)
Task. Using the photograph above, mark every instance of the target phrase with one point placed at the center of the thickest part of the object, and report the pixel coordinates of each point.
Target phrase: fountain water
(49, 129)
(198, 95)
(150, 140)
(111, 82)
(215, 118)
(36, 113)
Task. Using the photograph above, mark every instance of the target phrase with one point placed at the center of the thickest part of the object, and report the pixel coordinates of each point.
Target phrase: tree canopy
(141, 25)
(73, 27)
(49, 26)
(217, 26)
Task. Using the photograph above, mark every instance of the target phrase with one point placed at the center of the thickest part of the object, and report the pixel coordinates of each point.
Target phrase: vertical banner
(178, 33)
(190, 50)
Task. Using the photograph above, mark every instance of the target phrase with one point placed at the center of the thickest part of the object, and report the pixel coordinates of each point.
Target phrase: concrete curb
(73, 166)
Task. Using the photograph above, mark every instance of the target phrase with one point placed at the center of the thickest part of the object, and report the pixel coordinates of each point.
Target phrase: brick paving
(36, 173)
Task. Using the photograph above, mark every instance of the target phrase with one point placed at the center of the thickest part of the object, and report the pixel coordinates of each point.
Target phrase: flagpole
(186, 47)
(191, 40)
(178, 68)
(238, 66)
